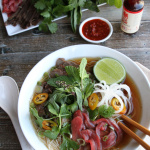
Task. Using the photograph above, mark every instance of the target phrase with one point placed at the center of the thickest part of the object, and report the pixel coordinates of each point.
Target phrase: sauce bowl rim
(98, 41)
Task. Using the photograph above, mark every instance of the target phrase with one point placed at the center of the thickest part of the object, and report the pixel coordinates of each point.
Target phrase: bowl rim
(99, 41)
(53, 54)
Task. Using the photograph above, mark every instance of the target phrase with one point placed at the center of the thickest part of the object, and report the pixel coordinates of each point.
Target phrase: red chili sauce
(96, 29)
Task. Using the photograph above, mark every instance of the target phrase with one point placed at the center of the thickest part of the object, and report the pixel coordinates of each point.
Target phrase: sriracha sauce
(96, 29)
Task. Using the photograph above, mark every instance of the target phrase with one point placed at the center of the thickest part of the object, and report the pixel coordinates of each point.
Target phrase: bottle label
(131, 20)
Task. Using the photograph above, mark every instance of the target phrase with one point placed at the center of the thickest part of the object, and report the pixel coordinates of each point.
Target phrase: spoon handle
(23, 142)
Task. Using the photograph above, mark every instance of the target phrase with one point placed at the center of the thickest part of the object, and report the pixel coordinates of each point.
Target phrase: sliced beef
(57, 72)
(76, 126)
(60, 67)
(61, 63)
(98, 135)
(47, 88)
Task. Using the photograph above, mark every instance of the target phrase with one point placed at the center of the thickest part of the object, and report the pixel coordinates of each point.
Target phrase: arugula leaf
(52, 134)
(38, 120)
(105, 111)
(79, 97)
(68, 144)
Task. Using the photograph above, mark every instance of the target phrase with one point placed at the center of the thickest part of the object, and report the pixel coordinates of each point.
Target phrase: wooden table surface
(19, 53)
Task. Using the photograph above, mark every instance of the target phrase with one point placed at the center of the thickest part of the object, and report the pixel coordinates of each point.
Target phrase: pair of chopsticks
(132, 134)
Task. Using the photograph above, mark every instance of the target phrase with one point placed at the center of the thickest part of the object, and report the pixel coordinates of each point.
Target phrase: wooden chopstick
(132, 134)
(135, 124)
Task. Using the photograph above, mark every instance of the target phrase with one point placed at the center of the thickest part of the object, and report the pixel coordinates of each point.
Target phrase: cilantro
(105, 111)
(38, 120)
(52, 27)
(68, 144)
(39, 5)
(52, 134)
(66, 129)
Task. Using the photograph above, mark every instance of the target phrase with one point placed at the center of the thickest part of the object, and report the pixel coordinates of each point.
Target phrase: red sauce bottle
(131, 16)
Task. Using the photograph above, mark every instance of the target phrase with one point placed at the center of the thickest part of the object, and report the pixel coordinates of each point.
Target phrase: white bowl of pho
(74, 97)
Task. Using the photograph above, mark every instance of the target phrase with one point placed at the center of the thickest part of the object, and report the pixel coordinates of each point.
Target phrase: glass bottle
(131, 15)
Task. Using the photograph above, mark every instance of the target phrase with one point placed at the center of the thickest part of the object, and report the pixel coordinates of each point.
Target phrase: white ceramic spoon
(9, 103)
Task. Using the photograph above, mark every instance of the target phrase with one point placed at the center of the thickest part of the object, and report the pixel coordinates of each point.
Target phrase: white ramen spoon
(9, 103)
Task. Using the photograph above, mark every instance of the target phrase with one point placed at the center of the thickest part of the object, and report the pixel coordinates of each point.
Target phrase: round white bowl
(92, 18)
(76, 51)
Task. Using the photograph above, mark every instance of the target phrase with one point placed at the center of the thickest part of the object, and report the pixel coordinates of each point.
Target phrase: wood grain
(19, 53)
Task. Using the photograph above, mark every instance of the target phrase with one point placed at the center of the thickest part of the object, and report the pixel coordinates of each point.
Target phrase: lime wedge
(109, 70)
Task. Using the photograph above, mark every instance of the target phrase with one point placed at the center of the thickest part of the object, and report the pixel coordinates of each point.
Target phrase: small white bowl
(97, 41)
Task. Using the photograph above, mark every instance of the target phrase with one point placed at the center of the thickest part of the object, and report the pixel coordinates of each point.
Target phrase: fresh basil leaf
(105, 111)
(52, 134)
(79, 97)
(68, 144)
(38, 120)
(83, 73)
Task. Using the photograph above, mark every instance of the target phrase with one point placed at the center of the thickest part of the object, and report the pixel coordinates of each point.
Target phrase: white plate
(13, 30)
(76, 51)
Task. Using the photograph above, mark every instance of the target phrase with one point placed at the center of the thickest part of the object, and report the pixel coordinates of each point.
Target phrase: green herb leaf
(64, 113)
(83, 73)
(68, 144)
(105, 111)
(118, 3)
(93, 114)
(73, 107)
(52, 27)
(73, 71)
(38, 120)
(39, 5)
(79, 97)
(45, 14)
(52, 134)
(52, 109)
(91, 6)
(66, 129)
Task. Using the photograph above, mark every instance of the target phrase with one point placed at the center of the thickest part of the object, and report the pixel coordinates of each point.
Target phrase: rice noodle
(114, 91)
